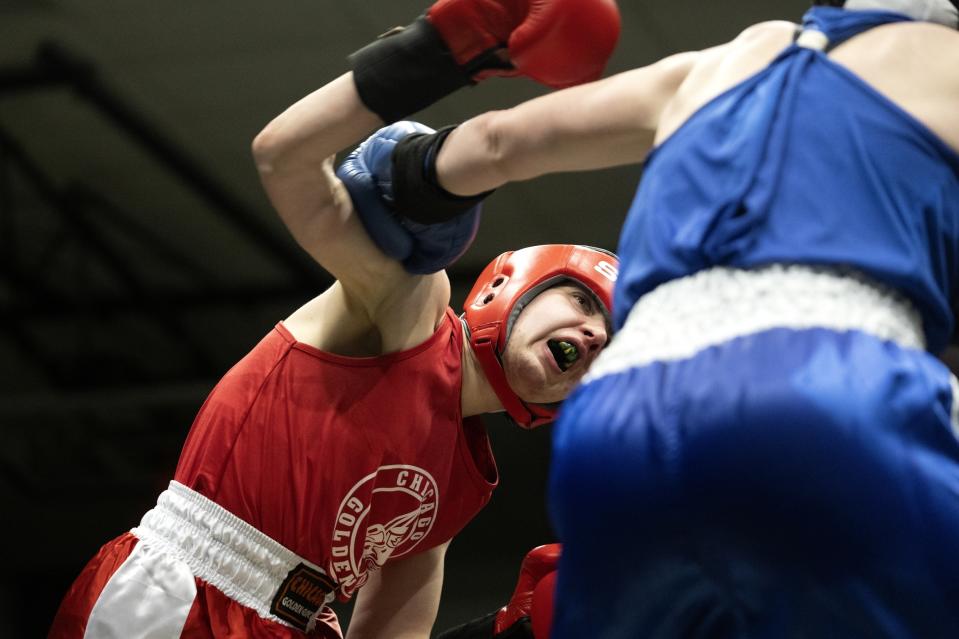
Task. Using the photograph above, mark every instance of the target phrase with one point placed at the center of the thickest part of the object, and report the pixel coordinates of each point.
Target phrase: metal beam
(31, 351)
(109, 213)
(83, 79)
(105, 399)
(56, 67)
(73, 215)
(187, 301)
(33, 78)
(8, 243)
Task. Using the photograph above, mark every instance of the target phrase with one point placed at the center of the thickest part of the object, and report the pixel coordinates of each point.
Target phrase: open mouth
(565, 353)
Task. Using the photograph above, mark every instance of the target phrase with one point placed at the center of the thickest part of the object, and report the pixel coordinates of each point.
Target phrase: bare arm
(294, 156)
(596, 125)
(401, 599)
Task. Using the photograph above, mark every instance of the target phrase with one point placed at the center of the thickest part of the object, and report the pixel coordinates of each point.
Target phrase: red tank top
(348, 462)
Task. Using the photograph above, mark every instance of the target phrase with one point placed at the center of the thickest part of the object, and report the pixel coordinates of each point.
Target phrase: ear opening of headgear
(504, 289)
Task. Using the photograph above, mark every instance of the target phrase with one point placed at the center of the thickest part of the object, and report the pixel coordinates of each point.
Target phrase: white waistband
(682, 317)
(220, 548)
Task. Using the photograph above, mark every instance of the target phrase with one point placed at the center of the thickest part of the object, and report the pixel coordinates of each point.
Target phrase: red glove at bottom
(541, 612)
(529, 613)
(530, 601)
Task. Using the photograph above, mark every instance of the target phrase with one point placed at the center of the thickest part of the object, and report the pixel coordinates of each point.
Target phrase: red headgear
(507, 285)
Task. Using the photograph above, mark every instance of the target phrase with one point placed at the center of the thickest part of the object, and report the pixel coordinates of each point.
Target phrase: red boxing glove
(533, 597)
(541, 613)
(558, 43)
(529, 613)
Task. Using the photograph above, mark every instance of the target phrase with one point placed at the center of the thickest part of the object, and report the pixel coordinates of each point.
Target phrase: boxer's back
(774, 152)
(912, 63)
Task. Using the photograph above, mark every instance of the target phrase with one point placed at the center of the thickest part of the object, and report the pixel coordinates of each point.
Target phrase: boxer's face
(554, 340)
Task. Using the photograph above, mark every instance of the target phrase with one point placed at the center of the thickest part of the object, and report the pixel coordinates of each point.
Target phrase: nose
(595, 334)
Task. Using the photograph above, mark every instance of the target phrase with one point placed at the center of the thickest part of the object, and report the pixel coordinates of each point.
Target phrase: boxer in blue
(769, 446)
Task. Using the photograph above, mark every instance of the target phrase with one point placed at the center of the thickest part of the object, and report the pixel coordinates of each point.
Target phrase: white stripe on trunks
(148, 597)
(220, 548)
(955, 403)
(684, 316)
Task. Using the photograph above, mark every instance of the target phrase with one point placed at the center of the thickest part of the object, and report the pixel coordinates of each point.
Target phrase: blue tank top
(802, 163)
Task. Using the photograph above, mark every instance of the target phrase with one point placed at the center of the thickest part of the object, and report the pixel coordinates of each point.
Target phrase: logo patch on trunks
(304, 591)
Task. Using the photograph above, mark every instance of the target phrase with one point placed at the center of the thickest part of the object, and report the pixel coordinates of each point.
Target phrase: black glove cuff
(481, 628)
(519, 630)
(406, 70)
(417, 194)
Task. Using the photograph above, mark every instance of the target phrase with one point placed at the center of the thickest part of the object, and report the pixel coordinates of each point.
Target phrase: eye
(583, 300)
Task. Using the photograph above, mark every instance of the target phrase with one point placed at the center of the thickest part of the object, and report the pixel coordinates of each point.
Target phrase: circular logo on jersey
(385, 515)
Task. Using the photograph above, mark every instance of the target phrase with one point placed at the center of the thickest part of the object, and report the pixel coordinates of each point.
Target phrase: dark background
(139, 258)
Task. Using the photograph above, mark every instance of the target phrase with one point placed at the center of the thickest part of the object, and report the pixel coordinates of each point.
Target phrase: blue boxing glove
(367, 174)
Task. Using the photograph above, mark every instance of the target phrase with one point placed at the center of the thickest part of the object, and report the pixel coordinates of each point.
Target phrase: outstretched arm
(601, 124)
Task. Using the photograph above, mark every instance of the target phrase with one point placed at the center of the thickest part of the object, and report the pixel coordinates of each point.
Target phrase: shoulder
(754, 47)
(936, 44)
(410, 313)
(767, 30)
(755, 44)
(338, 321)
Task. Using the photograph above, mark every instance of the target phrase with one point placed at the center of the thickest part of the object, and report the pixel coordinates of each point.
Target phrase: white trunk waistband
(236, 558)
(684, 316)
